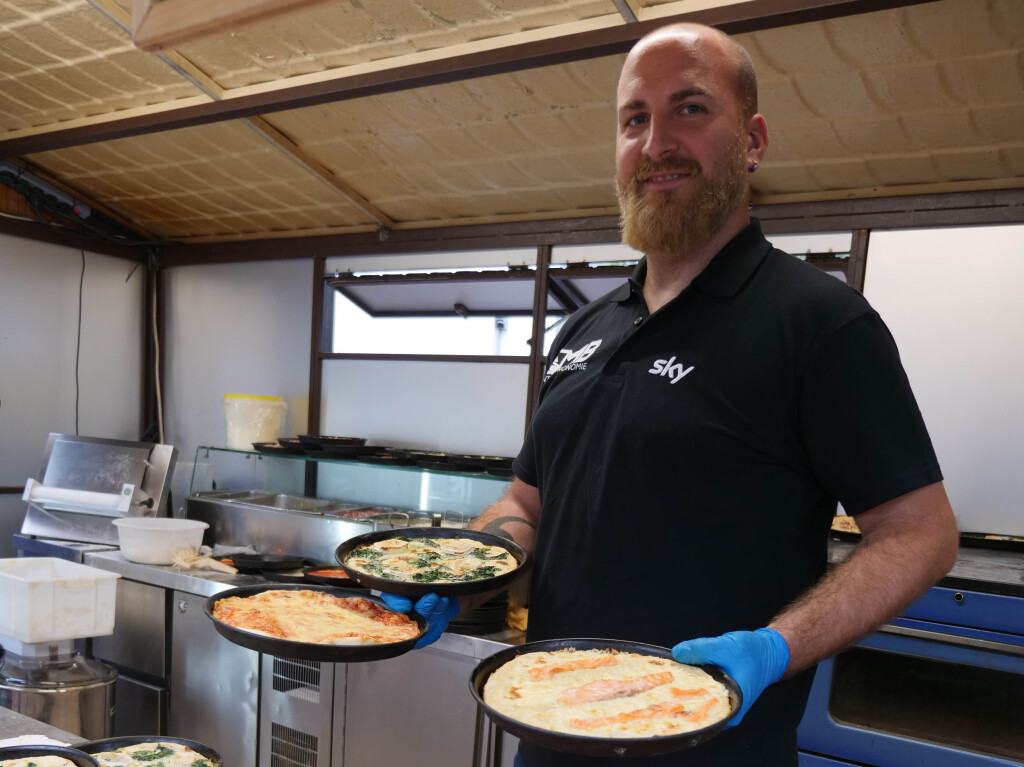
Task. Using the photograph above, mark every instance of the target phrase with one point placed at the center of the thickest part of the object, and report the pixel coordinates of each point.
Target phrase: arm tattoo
(494, 526)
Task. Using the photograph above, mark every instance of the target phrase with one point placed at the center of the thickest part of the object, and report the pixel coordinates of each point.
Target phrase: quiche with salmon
(606, 693)
(430, 560)
(315, 617)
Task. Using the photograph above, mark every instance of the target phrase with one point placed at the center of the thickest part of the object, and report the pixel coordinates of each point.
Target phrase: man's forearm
(908, 545)
(515, 516)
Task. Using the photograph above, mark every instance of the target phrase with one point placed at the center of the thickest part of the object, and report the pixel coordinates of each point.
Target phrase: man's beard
(678, 220)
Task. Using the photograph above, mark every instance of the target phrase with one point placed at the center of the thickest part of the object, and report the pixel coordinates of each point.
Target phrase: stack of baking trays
(488, 618)
(356, 449)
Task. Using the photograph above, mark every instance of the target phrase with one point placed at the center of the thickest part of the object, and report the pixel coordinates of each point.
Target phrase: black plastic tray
(284, 648)
(258, 563)
(585, 744)
(76, 755)
(413, 589)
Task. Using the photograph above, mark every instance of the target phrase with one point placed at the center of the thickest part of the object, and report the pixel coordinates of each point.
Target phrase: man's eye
(692, 109)
(636, 120)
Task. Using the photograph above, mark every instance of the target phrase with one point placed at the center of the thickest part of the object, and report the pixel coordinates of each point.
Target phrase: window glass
(356, 332)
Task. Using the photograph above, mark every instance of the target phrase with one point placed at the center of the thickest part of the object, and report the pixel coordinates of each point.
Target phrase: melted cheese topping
(431, 560)
(153, 754)
(315, 617)
(49, 760)
(606, 694)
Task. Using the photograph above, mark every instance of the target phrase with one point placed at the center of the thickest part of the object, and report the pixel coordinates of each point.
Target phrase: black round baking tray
(316, 440)
(112, 744)
(284, 648)
(450, 589)
(271, 447)
(258, 563)
(75, 755)
(489, 461)
(585, 744)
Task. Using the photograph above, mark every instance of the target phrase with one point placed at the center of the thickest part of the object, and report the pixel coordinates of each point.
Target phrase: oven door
(919, 693)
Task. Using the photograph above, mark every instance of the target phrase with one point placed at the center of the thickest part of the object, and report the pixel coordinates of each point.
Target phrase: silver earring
(753, 166)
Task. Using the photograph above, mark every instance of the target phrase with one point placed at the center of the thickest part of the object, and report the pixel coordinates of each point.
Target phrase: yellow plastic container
(252, 418)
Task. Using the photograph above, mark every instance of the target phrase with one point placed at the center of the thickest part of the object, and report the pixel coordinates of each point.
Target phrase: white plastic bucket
(251, 418)
(153, 540)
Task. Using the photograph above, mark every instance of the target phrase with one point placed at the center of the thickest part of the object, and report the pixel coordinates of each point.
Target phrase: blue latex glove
(438, 611)
(755, 659)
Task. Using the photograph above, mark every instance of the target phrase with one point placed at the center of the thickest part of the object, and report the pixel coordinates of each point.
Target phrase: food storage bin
(251, 419)
(45, 599)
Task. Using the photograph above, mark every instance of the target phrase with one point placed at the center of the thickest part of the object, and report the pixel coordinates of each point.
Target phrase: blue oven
(940, 686)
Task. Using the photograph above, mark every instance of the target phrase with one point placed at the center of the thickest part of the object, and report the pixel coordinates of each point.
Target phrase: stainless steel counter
(206, 583)
(13, 724)
(987, 568)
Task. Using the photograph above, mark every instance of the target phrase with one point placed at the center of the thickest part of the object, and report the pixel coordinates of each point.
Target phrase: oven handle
(952, 639)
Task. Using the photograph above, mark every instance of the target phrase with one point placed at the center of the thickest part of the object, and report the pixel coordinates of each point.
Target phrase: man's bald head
(744, 77)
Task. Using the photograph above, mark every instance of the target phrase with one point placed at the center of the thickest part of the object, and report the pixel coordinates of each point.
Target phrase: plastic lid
(253, 396)
(66, 671)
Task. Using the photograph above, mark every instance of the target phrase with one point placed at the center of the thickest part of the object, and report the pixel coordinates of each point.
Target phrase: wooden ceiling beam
(558, 45)
(959, 209)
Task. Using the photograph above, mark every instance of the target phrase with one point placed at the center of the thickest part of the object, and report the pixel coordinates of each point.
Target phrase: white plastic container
(45, 599)
(251, 418)
(153, 540)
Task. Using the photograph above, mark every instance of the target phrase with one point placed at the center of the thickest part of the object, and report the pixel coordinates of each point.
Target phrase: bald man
(698, 425)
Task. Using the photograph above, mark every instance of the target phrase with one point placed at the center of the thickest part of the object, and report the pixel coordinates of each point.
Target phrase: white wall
(38, 339)
(238, 328)
(951, 298)
(458, 407)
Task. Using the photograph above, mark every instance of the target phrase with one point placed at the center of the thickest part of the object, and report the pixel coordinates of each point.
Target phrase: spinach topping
(157, 753)
(368, 552)
(425, 558)
(482, 554)
(487, 571)
(429, 576)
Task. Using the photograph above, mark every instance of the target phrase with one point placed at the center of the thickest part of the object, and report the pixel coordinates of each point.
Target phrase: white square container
(45, 599)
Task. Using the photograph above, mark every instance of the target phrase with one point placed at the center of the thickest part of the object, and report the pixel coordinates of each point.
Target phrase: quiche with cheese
(430, 560)
(153, 754)
(315, 617)
(47, 760)
(607, 694)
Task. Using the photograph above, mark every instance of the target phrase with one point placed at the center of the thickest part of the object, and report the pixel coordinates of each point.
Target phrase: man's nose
(661, 141)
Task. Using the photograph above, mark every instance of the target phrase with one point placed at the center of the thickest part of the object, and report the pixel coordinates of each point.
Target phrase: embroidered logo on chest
(674, 371)
(568, 359)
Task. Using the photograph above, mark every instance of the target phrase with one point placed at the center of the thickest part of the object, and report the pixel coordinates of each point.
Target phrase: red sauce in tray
(329, 573)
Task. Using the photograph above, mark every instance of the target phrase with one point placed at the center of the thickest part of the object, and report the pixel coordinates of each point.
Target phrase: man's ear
(757, 139)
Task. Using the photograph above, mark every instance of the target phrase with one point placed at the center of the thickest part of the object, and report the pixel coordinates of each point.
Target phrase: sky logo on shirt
(675, 371)
(568, 359)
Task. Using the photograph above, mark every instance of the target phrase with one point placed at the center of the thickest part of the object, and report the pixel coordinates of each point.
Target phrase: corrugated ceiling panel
(62, 59)
(213, 180)
(490, 147)
(347, 33)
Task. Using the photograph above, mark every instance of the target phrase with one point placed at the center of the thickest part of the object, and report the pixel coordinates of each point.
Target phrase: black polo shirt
(689, 462)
